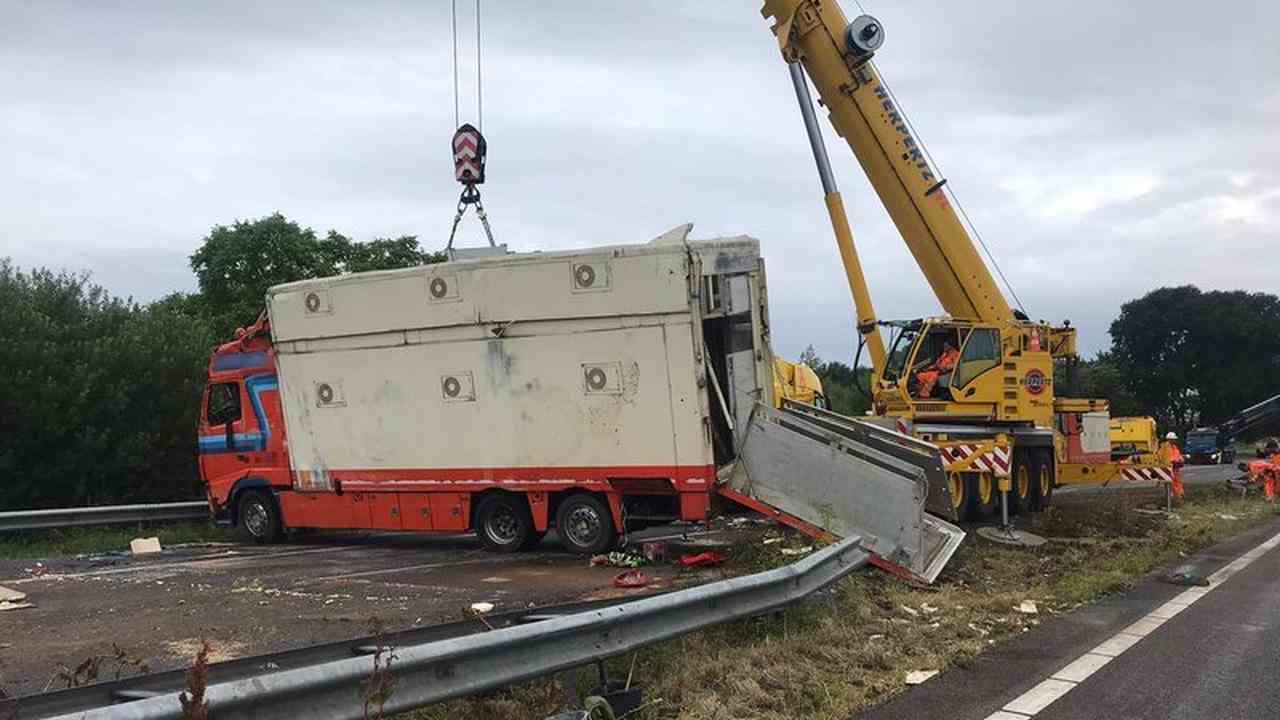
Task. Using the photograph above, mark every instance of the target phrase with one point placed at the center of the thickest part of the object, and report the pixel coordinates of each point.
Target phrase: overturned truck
(593, 392)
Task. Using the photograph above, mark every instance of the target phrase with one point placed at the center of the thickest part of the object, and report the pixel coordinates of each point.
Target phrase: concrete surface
(250, 599)
(1215, 659)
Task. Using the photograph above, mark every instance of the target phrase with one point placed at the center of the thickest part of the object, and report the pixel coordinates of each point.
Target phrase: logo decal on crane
(1035, 381)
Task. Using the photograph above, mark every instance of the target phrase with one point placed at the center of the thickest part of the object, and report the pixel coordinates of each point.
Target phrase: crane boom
(813, 33)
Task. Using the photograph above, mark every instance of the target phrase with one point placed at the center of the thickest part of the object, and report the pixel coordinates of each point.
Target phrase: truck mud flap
(847, 478)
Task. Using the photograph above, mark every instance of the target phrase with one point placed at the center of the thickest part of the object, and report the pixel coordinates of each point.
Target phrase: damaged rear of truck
(592, 392)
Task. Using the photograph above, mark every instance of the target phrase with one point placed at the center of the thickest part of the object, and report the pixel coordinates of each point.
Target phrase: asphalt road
(1219, 657)
(250, 599)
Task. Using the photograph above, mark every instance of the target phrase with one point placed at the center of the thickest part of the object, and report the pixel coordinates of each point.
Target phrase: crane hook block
(864, 35)
(468, 155)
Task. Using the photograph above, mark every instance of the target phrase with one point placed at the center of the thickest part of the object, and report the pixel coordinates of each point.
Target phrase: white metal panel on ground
(558, 399)
(624, 280)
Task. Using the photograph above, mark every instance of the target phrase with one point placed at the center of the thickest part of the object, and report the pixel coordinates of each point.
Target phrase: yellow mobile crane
(977, 382)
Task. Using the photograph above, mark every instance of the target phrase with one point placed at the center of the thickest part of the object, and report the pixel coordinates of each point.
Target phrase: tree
(1193, 357)
(101, 394)
(844, 387)
(236, 265)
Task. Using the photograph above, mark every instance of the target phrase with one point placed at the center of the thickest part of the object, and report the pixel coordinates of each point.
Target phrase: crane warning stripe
(995, 460)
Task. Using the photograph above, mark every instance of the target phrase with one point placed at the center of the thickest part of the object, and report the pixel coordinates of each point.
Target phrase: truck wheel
(503, 523)
(1022, 481)
(259, 517)
(986, 494)
(1043, 477)
(585, 525)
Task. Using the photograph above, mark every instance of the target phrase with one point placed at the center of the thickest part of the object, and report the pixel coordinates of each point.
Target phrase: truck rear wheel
(259, 517)
(585, 525)
(503, 523)
(1043, 475)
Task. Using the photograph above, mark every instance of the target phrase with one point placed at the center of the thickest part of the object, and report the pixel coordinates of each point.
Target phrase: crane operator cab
(956, 367)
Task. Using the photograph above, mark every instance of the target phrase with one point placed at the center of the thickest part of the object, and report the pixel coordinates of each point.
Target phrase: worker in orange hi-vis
(945, 363)
(1172, 455)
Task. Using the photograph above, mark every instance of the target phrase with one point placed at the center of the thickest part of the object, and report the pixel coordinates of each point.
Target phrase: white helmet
(1171, 435)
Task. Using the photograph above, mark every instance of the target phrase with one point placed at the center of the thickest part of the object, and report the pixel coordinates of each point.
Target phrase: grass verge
(62, 542)
(852, 648)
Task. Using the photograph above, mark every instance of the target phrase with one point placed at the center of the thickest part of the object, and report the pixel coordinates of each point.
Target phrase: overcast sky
(1102, 148)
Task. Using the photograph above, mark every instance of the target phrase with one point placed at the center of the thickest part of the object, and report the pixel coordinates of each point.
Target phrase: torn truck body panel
(848, 478)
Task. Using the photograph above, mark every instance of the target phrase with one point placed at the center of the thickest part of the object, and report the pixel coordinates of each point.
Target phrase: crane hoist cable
(468, 145)
(963, 213)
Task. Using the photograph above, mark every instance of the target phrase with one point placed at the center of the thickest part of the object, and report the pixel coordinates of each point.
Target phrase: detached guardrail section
(104, 515)
(432, 672)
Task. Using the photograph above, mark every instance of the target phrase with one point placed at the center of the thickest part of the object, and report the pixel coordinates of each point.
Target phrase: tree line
(101, 394)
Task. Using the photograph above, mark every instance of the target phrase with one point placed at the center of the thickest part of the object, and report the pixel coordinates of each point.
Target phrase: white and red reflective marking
(1147, 474)
(466, 150)
(995, 460)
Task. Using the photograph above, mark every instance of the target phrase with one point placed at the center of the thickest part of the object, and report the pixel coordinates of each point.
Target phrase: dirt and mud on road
(249, 599)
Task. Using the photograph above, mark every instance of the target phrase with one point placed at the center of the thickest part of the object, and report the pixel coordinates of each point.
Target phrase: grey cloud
(1103, 149)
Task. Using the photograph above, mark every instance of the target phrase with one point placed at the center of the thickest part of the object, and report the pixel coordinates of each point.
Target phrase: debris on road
(703, 559)
(797, 551)
(6, 605)
(144, 546)
(915, 677)
(631, 579)
(11, 595)
(1028, 607)
(1185, 575)
(618, 559)
(481, 608)
(654, 551)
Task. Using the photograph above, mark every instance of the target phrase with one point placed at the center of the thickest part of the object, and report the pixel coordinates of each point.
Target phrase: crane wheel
(986, 494)
(1043, 476)
(1021, 494)
(959, 489)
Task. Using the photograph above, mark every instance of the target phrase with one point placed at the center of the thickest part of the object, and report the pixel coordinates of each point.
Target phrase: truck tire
(585, 525)
(258, 517)
(1043, 478)
(503, 523)
(1022, 482)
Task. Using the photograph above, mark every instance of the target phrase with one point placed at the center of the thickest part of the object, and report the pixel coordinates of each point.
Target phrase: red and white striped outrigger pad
(1147, 474)
(994, 460)
(468, 155)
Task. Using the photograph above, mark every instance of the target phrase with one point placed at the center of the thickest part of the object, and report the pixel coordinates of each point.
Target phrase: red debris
(711, 557)
(631, 579)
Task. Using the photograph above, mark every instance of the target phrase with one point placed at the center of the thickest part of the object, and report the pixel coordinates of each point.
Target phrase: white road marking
(1028, 704)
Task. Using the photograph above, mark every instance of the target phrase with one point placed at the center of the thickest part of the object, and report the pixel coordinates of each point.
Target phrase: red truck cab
(243, 458)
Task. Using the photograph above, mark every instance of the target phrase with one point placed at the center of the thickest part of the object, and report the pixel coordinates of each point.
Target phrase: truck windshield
(895, 365)
(1202, 439)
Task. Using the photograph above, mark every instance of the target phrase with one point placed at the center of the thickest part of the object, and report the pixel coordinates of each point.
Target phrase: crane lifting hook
(469, 150)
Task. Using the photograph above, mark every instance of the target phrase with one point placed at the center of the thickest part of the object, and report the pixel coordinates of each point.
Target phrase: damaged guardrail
(104, 515)
(436, 671)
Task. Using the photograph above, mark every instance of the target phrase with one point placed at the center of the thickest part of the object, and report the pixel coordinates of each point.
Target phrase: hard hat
(1171, 436)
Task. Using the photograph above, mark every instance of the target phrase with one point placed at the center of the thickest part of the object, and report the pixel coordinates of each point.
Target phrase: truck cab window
(224, 403)
(980, 354)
